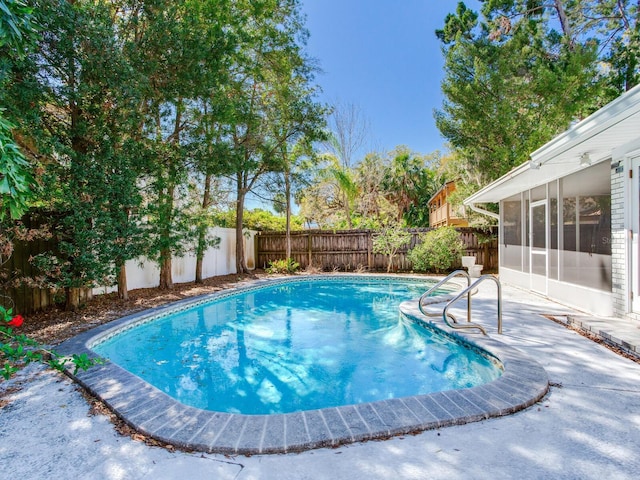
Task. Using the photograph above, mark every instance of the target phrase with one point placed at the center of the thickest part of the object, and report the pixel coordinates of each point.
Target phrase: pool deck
(587, 426)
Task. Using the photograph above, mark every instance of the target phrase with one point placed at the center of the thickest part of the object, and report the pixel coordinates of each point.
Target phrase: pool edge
(153, 413)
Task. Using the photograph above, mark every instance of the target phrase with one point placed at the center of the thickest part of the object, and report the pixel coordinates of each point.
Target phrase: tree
(210, 159)
(17, 34)
(612, 24)
(182, 51)
(379, 191)
(296, 160)
(320, 202)
(372, 207)
(270, 68)
(511, 83)
(61, 97)
(349, 131)
(408, 182)
(295, 122)
(346, 185)
(391, 239)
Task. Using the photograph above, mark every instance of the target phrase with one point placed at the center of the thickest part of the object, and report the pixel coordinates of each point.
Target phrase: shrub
(288, 265)
(439, 250)
(391, 239)
(18, 350)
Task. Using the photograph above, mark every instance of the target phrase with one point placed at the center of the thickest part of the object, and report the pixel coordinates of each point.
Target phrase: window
(511, 246)
(585, 243)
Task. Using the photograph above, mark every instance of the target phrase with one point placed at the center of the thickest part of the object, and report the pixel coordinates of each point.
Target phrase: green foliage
(75, 108)
(380, 189)
(440, 249)
(288, 265)
(256, 219)
(18, 29)
(15, 175)
(512, 83)
(17, 350)
(124, 107)
(391, 239)
(611, 25)
(409, 181)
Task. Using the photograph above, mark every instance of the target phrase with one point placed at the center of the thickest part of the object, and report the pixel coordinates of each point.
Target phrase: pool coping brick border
(152, 412)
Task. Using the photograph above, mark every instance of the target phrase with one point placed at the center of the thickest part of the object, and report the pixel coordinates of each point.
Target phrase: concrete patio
(587, 427)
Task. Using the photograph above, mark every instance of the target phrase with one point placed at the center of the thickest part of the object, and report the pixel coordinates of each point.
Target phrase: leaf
(5, 188)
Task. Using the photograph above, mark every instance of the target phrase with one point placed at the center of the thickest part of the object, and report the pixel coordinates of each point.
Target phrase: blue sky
(384, 57)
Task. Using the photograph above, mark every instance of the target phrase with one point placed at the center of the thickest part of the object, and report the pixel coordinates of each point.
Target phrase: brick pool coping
(152, 412)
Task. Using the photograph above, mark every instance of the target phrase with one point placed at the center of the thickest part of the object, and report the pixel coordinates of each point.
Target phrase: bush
(439, 250)
(288, 265)
(18, 350)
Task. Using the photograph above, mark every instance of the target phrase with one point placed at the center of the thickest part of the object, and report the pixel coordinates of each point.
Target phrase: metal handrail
(466, 291)
(456, 273)
(446, 314)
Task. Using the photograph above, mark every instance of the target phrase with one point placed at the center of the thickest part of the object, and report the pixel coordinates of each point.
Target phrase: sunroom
(568, 221)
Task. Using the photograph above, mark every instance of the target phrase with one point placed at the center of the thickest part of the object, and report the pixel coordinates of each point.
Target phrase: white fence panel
(143, 273)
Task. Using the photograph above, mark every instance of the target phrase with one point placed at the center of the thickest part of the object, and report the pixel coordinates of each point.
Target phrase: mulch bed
(54, 325)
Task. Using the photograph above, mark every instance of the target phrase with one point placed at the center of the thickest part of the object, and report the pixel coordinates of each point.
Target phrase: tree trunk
(123, 292)
(347, 210)
(166, 279)
(72, 299)
(241, 266)
(287, 188)
(200, 249)
(200, 255)
(564, 24)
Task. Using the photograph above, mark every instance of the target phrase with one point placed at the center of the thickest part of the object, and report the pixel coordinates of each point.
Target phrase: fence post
(369, 250)
(309, 250)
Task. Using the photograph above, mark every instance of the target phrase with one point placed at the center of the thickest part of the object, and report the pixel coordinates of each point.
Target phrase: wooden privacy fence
(18, 295)
(350, 250)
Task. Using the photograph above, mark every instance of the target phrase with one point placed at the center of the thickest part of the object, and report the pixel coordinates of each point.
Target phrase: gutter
(481, 211)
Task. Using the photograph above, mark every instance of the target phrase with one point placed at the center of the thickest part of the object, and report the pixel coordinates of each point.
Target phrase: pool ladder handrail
(468, 291)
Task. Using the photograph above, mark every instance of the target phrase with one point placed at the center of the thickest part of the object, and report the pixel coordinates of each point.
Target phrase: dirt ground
(54, 325)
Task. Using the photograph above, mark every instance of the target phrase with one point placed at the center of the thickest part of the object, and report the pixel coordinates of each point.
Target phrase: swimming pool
(153, 412)
(298, 346)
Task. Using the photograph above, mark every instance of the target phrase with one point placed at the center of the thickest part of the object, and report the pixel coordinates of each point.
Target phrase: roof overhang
(589, 142)
(443, 187)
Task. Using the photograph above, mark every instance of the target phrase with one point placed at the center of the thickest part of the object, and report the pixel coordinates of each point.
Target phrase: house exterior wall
(622, 210)
(619, 248)
(574, 264)
(598, 249)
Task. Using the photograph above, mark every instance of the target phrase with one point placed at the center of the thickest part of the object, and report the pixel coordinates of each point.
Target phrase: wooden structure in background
(442, 213)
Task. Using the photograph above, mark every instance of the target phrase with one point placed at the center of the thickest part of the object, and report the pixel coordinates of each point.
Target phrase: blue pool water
(297, 346)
